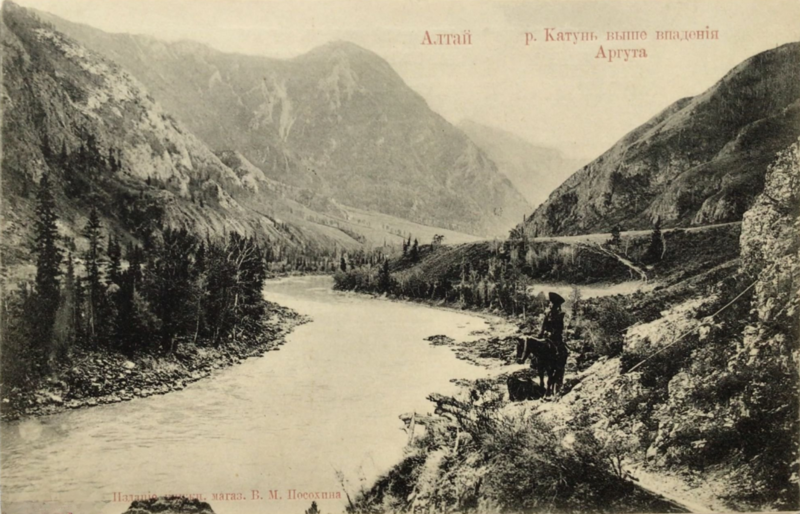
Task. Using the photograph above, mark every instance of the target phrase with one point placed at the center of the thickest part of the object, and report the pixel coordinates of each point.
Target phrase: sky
(551, 93)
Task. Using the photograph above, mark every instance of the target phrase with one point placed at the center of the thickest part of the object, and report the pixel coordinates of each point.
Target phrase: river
(328, 400)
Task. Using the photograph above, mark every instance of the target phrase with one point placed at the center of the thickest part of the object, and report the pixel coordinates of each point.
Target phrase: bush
(534, 468)
(607, 319)
(474, 458)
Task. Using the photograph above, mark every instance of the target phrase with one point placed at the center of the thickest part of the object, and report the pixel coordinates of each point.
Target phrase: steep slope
(337, 121)
(534, 170)
(107, 144)
(700, 161)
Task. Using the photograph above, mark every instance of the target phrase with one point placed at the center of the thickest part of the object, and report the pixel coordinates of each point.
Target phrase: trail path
(700, 500)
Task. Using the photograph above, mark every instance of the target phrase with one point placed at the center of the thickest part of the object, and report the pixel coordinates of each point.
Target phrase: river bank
(481, 416)
(92, 378)
(326, 405)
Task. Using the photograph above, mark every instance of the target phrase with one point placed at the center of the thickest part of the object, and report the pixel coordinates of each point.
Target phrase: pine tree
(656, 244)
(64, 330)
(80, 308)
(114, 261)
(342, 264)
(47, 152)
(384, 277)
(93, 275)
(48, 268)
(415, 251)
(135, 259)
(616, 239)
(170, 286)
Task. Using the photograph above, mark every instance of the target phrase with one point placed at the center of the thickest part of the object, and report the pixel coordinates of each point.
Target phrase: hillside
(668, 387)
(534, 170)
(107, 144)
(700, 161)
(337, 122)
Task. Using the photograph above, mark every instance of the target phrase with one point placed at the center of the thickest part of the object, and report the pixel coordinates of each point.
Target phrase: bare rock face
(106, 143)
(169, 505)
(700, 161)
(337, 122)
(757, 376)
(770, 238)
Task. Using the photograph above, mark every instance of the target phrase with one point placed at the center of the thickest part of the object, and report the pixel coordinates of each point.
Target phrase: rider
(553, 326)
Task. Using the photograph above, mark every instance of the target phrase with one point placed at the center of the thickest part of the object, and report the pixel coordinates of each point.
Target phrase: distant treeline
(487, 275)
(496, 274)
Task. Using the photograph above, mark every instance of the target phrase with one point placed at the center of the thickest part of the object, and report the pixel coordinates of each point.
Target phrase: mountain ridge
(699, 161)
(534, 170)
(107, 144)
(337, 120)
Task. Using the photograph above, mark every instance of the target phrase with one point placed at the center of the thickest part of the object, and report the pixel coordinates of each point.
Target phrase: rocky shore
(100, 377)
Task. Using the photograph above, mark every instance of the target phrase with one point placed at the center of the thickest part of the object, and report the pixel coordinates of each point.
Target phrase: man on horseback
(553, 331)
(548, 352)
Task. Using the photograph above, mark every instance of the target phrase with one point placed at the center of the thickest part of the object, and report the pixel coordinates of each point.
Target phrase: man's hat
(556, 298)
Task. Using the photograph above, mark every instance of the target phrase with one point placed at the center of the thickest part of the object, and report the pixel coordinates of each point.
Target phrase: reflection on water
(328, 400)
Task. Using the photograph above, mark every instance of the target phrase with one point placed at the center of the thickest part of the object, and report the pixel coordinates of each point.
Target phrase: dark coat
(553, 330)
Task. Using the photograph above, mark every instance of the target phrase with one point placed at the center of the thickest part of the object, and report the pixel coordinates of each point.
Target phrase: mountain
(106, 143)
(700, 161)
(336, 122)
(534, 170)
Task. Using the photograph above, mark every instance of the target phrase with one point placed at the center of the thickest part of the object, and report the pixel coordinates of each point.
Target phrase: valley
(226, 272)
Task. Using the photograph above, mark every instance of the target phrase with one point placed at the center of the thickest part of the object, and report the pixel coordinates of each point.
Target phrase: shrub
(607, 319)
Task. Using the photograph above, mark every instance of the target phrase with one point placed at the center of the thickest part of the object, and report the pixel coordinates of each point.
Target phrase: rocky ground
(97, 378)
(584, 393)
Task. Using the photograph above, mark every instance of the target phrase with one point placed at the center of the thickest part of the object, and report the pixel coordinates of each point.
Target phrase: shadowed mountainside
(700, 161)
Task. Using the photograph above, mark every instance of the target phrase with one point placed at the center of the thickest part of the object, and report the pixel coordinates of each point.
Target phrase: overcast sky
(550, 93)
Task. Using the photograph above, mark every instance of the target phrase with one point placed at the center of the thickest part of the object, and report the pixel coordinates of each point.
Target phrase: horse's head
(523, 349)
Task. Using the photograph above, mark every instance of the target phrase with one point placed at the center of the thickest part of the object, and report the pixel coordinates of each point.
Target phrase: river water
(328, 400)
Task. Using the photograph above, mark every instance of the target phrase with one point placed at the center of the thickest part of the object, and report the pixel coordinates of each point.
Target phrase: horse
(521, 389)
(548, 360)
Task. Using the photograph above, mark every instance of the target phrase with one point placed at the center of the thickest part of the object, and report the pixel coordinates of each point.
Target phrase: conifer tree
(80, 309)
(114, 261)
(94, 284)
(64, 329)
(48, 268)
(656, 247)
(384, 277)
(615, 236)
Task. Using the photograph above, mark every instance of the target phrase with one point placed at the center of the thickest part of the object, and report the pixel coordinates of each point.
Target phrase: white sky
(553, 94)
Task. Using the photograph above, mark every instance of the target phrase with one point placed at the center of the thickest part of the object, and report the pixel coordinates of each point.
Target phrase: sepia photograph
(399, 256)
